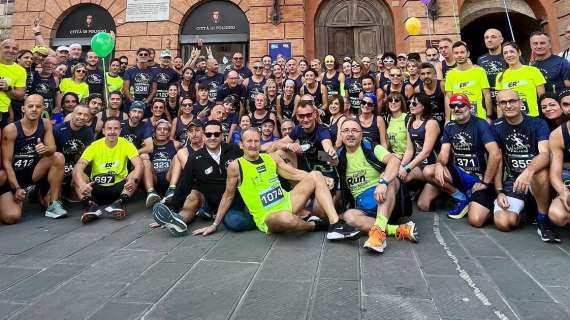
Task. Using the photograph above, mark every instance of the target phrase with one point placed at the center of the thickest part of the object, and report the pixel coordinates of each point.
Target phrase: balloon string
(106, 89)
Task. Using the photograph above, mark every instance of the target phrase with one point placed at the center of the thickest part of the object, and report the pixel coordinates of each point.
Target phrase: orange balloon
(413, 26)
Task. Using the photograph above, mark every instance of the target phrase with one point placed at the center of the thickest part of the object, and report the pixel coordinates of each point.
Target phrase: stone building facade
(307, 28)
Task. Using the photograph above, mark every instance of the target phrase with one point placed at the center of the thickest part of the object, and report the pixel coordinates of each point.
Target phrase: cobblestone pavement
(123, 270)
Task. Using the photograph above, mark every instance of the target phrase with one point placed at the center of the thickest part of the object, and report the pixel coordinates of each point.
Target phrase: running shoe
(117, 210)
(342, 231)
(376, 240)
(546, 233)
(172, 220)
(90, 213)
(407, 231)
(168, 195)
(460, 210)
(151, 199)
(55, 210)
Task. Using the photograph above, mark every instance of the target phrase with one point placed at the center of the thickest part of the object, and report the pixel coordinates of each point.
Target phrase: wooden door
(366, 41)
(341, 42)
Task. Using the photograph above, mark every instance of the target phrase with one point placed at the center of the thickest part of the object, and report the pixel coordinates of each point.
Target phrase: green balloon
(102, 44)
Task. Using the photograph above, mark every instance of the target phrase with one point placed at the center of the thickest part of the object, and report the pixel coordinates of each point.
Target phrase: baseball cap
(268, 120)
(403, 55)
(371, 96)
(564, 93)
(195, 123)
(137, 105)
(62, 48)
(459, 98)
(40, 49)
(165, 53)
(75, 46)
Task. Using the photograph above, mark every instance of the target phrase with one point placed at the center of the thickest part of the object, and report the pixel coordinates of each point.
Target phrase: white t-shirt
(565, 54)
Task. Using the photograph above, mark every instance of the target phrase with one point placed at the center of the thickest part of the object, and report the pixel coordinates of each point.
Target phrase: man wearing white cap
(164, 75)
(75, 51)
(62, 53)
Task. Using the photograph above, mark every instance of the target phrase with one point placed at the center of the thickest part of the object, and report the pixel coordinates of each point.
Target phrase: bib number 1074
(271, 196)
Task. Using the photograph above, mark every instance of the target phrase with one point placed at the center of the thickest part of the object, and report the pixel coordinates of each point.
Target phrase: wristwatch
(382, 181)
(407, 168)
(500, 191)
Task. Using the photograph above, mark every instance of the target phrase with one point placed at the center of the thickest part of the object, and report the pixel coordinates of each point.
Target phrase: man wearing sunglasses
(254, 85)
(203, 182)
(238, 65)
(139, 78)
(275, 210)
(124, 64)
(370, 173)
(524, 147)
(467, 163)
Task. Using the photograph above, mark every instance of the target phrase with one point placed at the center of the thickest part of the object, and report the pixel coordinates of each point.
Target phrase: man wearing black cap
(135, 130)
(204, 182)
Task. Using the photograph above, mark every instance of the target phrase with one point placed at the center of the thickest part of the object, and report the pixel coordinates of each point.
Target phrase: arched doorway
(81, 23)
(221, 25)
(479, 15)
(354, 28)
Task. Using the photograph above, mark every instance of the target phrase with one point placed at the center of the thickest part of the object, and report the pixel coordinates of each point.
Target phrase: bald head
(8, 51)
(493, 39)
(212, 65)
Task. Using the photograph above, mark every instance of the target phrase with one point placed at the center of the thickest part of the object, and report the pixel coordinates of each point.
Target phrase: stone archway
(354, 28)
(476, 16)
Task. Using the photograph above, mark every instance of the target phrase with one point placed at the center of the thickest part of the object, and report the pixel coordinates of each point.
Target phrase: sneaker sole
(53, 215)
(461, 215)
(553, 240)
(413, 232)
(152, 200)
(90, 216)
(375, 249)
(164, 217)
(339, 236)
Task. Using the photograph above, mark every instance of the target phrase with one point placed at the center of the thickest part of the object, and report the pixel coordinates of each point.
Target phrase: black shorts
(107, 194)
(464, 181)
(485, 197)
(161, 183)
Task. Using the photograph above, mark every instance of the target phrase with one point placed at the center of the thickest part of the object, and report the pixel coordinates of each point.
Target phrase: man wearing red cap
(476, 155)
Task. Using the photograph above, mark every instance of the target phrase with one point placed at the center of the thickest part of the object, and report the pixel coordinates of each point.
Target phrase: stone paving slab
(61, 269)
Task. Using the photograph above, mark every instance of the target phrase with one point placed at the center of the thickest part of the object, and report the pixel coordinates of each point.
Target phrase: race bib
(21, 164)
(271, 196)
(67, 169)
(106, 178)
(467, 163)
(161, 166)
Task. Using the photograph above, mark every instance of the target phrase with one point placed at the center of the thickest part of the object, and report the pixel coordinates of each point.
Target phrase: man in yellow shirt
(469, 80)
(12, 79)
(109, 178)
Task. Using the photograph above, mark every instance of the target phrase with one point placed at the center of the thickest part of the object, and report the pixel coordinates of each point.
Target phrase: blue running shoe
(460, 210)
(172, 220)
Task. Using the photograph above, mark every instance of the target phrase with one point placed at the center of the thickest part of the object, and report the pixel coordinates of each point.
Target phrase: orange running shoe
(376, 240)
(407, 231)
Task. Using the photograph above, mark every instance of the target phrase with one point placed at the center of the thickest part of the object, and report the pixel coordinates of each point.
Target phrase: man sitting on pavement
(203, 182)
(29, 157)
(109, 180)
(158, 164)
(524, 145)
(275, 210)
(370, 172)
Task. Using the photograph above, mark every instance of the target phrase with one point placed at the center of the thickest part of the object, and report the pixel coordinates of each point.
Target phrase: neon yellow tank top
(261, 189)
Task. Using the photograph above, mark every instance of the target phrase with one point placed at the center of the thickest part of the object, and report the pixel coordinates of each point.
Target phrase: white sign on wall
(148, 10)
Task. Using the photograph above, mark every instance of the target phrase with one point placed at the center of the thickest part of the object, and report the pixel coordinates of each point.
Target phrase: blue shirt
(140, 81)
(555, 70)
(313, 139)
(519, 143)
(136, 135)
(163, 78)
(468, 142)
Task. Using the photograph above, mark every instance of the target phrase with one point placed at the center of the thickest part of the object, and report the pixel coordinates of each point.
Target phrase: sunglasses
(186, 104)
(258, 67)
(394, 100)
(304, 115)
(81, 71)
(143, 54)
(212, 134)
(395, 75)
(124, 63)
(366, 103)
(237, 58)
(457, 105)
(356, 66)
(388, 60)
(414, 103)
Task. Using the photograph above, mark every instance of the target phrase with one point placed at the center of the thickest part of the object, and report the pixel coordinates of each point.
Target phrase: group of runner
(338, 145)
